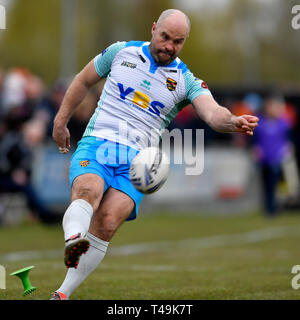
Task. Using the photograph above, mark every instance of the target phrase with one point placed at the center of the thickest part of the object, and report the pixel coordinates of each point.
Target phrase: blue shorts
(111, 161)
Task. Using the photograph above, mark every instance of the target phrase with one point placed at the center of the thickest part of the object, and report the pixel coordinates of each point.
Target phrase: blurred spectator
(1, 87)
(22, 92)
(16, 158)
(14, 89)
(271, 147)
(250, 104)
(290, 166)
(35, 92)
(50, 104)
(82, 115)
(2, 125)
(254, 102)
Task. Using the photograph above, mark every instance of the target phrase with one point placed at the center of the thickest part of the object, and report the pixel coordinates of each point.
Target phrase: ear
(153, 28)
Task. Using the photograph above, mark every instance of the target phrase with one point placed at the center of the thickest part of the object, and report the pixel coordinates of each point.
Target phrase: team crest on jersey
(84, 163)
(171, 84)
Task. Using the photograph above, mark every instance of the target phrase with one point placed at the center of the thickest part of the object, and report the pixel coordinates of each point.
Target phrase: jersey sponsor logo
(84, 163)
(171, 70)
(140, 99)
(171, 84)
(128, 64)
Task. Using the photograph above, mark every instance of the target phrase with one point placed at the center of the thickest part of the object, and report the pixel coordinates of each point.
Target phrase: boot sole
(73, 252)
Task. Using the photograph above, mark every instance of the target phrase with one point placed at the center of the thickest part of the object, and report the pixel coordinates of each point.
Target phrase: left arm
(221, 119)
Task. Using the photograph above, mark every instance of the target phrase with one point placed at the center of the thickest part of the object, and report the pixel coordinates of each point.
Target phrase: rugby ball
(149, 170)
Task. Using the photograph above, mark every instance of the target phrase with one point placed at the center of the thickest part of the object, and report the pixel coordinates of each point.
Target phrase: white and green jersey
(140, 97)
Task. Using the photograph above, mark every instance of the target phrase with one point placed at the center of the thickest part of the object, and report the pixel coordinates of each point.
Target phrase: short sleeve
(104, 60)
(194, 86)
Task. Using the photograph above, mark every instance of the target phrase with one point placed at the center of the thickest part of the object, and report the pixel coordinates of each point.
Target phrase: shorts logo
(84, 163)
(171, 84)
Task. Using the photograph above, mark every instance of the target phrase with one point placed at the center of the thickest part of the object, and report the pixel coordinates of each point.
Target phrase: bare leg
(114, 209)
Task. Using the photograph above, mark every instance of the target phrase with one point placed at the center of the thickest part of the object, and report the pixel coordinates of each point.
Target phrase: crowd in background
(28, 107)
(27, 111)
(274, 146)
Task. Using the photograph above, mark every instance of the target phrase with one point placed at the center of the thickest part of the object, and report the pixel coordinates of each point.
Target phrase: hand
(245, 124)
(61, 136)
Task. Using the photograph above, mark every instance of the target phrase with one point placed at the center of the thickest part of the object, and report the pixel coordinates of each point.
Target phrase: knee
(83, 192)
(88, 194)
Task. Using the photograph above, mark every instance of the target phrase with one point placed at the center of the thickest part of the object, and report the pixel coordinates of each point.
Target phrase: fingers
(64, 147)
(250, 118)
(248, 123)
(246, 130)
(68, 143)
(63, 150)
(249, 126)
(61, 136)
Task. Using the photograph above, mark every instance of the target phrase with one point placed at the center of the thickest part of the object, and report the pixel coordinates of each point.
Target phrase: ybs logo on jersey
(140, 99)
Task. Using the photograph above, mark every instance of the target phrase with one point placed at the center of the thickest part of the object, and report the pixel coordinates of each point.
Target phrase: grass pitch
(164, 256)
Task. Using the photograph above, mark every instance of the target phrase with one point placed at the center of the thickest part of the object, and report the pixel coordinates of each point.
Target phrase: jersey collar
(153, 64)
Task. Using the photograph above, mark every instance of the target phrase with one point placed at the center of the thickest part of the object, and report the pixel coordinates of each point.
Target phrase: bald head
(175, 16)
(168, 35)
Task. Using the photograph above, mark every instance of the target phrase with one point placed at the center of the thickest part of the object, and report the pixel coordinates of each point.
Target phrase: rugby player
(147, 85)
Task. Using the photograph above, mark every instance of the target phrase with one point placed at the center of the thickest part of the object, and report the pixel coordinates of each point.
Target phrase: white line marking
(139, 267)
(209, 242)
(160, 246)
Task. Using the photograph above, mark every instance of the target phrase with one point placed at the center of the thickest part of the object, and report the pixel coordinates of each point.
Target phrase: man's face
(167, 41)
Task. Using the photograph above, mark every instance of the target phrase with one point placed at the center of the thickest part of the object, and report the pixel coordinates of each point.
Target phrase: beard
(165, 57)
(162, 57)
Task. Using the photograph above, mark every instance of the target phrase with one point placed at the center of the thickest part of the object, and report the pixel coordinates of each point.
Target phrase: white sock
(77, 218)
(87, 263)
